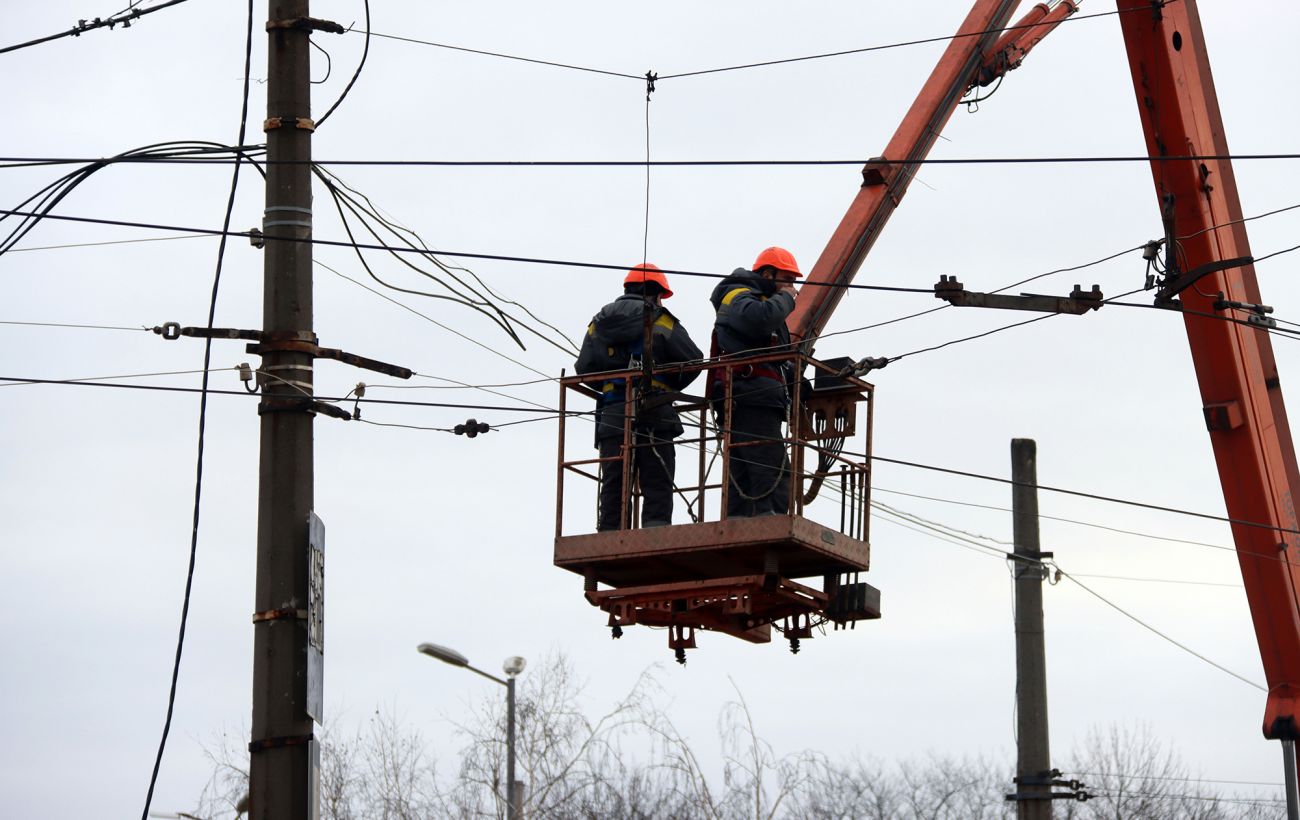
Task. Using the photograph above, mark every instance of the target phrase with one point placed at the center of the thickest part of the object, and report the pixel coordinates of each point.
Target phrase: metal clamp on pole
(279, 742)
(305, 24)
(1077, 788)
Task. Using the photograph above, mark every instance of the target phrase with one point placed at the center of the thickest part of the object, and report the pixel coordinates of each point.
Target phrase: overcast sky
(433, 537)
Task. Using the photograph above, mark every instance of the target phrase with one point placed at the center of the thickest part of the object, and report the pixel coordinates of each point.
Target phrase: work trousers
(760, 474)
(654, 462)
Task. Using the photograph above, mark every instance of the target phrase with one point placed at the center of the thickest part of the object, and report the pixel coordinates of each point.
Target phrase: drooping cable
(365, 52)
(203, 415)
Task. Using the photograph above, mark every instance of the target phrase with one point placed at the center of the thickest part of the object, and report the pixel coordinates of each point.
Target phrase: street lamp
(512, 667)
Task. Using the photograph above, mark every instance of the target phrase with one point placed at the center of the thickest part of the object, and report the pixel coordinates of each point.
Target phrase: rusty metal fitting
(280, 742)
(305, 24)
(171, 331)
(272, 123)
(280, 615)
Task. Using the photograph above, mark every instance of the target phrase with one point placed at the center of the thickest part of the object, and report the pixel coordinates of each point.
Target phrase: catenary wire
(461, 254)
(125, 18)
(1179, 779)
(215, 392)
(994, 553)
(1208, 798)
(1080, 494)
(25, 383)
(499, 54)
(495, 257)
(202, 422)
(1157, 580)
(887, 46)
(701, 72)
(1092, 524)
(112, 242)
(68, 325)
(1151, 628)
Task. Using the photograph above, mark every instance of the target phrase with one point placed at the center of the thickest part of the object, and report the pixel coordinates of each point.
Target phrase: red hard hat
(648, 273)
(778, 258)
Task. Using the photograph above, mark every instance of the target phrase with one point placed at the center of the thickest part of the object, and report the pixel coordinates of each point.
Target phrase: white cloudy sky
(434, 537)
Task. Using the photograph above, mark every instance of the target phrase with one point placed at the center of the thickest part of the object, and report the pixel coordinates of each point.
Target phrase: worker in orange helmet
(615, 341)
(752, 306)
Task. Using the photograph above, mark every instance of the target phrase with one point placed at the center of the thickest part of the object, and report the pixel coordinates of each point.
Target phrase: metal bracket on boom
(294, 341)
(1077, 303)
(1174, 285)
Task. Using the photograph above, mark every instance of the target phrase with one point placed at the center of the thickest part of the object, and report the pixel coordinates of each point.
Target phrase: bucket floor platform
(786, 545)
(746, 607)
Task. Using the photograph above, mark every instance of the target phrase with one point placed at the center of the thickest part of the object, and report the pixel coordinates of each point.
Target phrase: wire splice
(471, 428)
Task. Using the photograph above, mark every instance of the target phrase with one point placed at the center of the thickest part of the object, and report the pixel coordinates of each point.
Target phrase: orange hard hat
(648, 273)
(778, 258)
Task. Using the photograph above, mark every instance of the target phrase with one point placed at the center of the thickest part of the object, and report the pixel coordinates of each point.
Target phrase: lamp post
(512, 667)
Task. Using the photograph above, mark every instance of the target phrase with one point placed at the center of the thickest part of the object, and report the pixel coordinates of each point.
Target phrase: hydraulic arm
(1234, 362)
(981, 52)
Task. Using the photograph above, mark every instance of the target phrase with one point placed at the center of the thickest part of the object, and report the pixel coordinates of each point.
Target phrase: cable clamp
(650, 77)
(280, 615)
(171, 331)
(305, 24)
(272, 123)
(471, 428)
(280, 742)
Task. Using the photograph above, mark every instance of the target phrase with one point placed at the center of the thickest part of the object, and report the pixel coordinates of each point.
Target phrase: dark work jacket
(751, 316)
(617, 334)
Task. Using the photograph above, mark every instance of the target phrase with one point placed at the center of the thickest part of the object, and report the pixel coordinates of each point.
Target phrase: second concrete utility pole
(1033, 758)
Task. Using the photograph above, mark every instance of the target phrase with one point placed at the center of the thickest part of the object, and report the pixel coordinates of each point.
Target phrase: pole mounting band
(280, 615)
(280, 742)
(272, 123)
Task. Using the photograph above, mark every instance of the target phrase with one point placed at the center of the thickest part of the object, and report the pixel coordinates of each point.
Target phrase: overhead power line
(503, 56)
(29, 162)
(123, 18)
(740, 67)
(904, 44)
(1151, 628)
(113, 242)
(214, 392)
(67, 325)
(335, 243)
(945, 534)
(1079, 494)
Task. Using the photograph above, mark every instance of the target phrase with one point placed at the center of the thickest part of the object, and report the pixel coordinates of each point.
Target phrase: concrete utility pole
(1033, 759)
(284, 775)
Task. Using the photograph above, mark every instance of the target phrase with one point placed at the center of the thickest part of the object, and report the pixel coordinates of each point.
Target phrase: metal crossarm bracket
(1175, 285)
(1079, 301)
(294, 341)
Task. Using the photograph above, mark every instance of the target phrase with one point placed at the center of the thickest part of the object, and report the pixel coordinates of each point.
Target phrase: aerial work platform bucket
(733, 575)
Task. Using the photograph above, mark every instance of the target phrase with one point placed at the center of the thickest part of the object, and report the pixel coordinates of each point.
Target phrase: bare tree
(633, 762)
(1131, 774)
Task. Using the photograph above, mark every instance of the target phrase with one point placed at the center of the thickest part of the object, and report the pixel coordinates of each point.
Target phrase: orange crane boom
(1205, 244)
